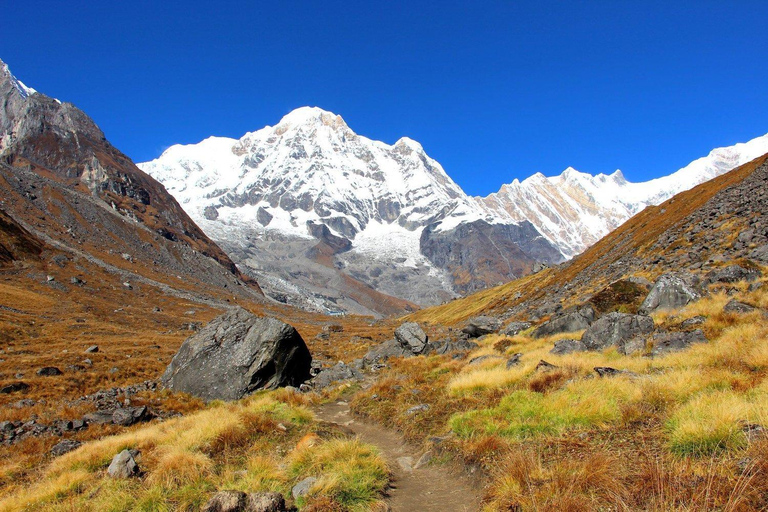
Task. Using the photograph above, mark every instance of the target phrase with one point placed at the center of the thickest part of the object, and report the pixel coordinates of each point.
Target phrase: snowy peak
(5, 74)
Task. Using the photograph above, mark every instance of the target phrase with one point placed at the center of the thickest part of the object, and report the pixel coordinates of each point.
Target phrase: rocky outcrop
(732, 274)
(616, 329)
(481, 325)
(573, 319)
(236, 354)
(672, 291)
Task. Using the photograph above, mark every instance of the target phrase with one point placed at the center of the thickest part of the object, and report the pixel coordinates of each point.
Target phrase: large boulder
(411, 337)
(671, 291)
(236, 354)
(481, 325)
(615, 329)
(666, 342)
(572, 319)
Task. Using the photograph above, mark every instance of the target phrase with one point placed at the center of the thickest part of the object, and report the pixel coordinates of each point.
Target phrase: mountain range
(330, 220)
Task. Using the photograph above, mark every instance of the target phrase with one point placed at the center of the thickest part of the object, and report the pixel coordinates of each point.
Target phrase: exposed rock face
(615, 329)
(573, 319)
(411, 337)
(478, 254)
(672, 291)
(481, 325)
(236, 354)
(55, 163)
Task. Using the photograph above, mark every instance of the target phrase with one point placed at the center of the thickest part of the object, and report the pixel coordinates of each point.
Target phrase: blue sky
(494, 90)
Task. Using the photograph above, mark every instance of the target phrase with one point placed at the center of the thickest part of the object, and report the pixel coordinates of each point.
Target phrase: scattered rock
(417, 409)
(732, 274)
(65, 446)
(666, 342)
(265, 502)
(128, 416)
(390, 348)
(226, 501)
(479, 359)
(567, 347)
(516, 328)
(411, 337)
(734, 306)
(302, 488)
(514, 360)
(124, 465)
(14, 387)
(760, 254)
(671, 291)
(92, 349)
(481, 325)
(614, 329)
(340, 371)
(692, 322)
(607, 371)
(236, 354)
(449, 346)
(49, 371)
(98, 417)
(424, 460)
(572, 319)
(545, 366)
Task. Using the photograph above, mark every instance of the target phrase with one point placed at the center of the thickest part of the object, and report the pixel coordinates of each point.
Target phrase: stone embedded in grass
(516, 328)
(412, 337)
(614, 329)
(302, 488)
(340, 371)
(760, 254)
(14, 387)
(567, 347)
(672, 291)
(127, 416)
(92, 349)
(514, 360)
(607, 371)
(65, 446)
(675, 341)
(544, 366)
(236, 354)
(124, 465)
(417, 409)
(572, 319)
(481, 325)
(734, 306)
(49, 371)
(732, 274)
(238, 501)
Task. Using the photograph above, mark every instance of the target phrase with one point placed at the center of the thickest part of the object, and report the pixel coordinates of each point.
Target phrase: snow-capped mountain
(575, 209)
(328, 218)
(387, 214)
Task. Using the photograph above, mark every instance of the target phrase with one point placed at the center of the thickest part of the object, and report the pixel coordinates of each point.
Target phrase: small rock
(302, 488)
(567, 347)
(735, 306)
(123, 465)
(14, 387)
(128, 416)
(265, 502)
(424, 460)
(92, 349)
(515, 328)
(226, 501)
(481, 325)
(545, 366)
(607, 371)
(417, 409)
(514, 360)
(692, 322)
(65, 446)
(49, 371)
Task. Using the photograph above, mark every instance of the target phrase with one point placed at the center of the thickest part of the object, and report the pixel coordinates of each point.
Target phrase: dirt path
(428, 487)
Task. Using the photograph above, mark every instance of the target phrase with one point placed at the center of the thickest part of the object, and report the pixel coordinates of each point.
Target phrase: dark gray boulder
(236, 354)
(567, 347)
(339, 372)
(614, 329)
(411, 337)
(382, 352)
(515, 328)
(572, 319)
(671, 291)
(65, 446)
(666, 342)
(732, 274)
(127, 416)
(481, 325)
(734, 306)
(450, 346)
(760, 254)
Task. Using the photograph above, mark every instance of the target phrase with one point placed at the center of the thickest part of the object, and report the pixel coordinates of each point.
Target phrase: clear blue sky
(494, 90)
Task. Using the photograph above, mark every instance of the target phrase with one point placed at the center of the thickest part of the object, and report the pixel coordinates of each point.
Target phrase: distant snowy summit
(386, 215)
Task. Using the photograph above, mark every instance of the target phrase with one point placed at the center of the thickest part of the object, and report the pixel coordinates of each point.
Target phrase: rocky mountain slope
(66, 186)
(315, 211)
(310, 205)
